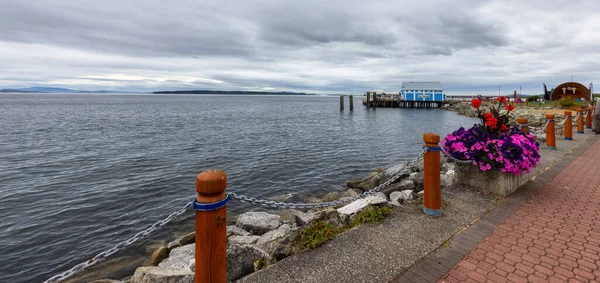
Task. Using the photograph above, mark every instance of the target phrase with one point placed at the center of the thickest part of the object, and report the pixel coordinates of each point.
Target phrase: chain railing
(454, 158)
(308, 205)
(105, 254)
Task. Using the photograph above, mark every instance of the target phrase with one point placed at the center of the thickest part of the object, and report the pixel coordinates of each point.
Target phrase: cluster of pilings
(351, 100)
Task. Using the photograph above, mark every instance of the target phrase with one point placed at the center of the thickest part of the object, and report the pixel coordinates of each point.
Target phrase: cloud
(321, 46)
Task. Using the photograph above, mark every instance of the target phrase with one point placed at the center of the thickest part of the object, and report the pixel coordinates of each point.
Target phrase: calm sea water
(81, 172)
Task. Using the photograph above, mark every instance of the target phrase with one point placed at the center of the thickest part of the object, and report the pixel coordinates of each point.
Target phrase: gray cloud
(330, 46)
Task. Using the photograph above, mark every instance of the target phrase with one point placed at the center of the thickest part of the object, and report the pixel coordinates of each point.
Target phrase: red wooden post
(588, 118)
(550, 132)
(432, 198)
(568, 126)
(523, 125)
(211, 227)
(580, 121)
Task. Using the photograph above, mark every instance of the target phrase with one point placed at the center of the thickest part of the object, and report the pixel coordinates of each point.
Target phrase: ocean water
(81, 172)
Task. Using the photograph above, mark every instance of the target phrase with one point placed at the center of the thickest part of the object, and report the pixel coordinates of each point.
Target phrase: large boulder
(350, 193)
(179, 258)
(401, 186)
(257, 222)
(269, 241)
(243, 240)
(235, 230)
(398, 198)
(331, 196)
(186, 239)
(302, 218)
(153, 274)
(240, 260)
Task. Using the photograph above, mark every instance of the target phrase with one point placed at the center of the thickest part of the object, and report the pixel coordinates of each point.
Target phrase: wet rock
(269, 241)
(179, 258)
(240, 260)
(350, 193)
(187, 239)
(331, 196)
(243, 240)
(371, 183)
(353, 184)
(153, 274)
(159, 255)
(234, 230)
(258, 223)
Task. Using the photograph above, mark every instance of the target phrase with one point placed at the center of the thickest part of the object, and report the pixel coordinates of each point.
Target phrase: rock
(234, 230)
(153, 274)
(447, 167)
(447, 179)
(258, 223)
(269, 241)
(187, 239)
(396, 187)
(302, 218)
(288, 215)
(284, 246)
(243, 240)
(392, 171)
(107, 281)
(417, 179)
(398, 198)
(240, 260)
(330, 216)
(353, 184)
(331, 196)
(175, 244)
(350, 193)
(159, 255)
(359, 204)
(179, 258)
(369, 184)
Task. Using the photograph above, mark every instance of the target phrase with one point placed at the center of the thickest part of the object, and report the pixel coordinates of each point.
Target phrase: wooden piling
(368, 98)
(588, 118)
(211, 229)
(568, 126)
(580, 121)
(550, 132)
(341, 103)
(432, 198)
(523, 125)
(351, 102)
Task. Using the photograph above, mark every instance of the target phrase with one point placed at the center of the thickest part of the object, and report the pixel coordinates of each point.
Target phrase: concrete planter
(494, 181)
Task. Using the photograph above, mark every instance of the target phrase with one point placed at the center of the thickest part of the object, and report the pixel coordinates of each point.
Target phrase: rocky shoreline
(261, 238)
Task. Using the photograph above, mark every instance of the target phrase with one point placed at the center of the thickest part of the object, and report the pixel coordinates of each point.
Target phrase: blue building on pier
(422, 91)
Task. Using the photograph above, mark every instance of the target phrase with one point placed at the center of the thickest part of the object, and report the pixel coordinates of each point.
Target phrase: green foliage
(315, 235)
(533, 98)
(379, 170)
(261, 264)
(371, 214)
(566, 103)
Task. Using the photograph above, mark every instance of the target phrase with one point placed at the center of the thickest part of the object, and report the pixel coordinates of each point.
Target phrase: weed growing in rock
(371, 214)
(315, 235)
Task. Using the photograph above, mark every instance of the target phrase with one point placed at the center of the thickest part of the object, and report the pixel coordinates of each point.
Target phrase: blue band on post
(432, 212)
(436, 148)
(580, 132)
(210, 206)
(569, 139)
(551, 147)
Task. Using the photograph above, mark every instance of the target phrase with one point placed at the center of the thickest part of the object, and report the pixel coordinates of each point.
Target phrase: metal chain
(287, 205)
(454, 158)
(105, 254)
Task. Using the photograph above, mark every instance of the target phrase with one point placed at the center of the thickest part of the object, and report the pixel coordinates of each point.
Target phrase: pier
(399, 103)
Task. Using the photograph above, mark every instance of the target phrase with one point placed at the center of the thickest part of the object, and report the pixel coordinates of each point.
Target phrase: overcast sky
(314, 46)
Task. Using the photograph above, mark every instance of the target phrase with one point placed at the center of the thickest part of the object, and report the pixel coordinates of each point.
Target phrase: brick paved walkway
(553, 237)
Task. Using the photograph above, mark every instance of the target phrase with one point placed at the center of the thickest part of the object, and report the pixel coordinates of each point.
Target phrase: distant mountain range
(52, 90)
(231, 92)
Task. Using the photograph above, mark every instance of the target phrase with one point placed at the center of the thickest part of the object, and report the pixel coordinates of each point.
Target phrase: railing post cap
(211, 182)
(549, 116)
(568, 112)
(522, 120)
(431, 138)
(580, 110)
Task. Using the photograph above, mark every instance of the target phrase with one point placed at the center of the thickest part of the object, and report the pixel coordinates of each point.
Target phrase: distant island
(231, 92)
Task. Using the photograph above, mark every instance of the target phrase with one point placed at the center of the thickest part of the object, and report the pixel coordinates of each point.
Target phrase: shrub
(533, 98)
(566, 103)
(315, 235)
(371, 214)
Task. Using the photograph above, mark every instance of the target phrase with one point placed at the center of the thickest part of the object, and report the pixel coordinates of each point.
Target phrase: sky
(471, 47)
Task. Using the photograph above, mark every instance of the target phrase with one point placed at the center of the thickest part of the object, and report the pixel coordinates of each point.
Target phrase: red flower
(491, 122)
(476, 103)
(487, 115)
(504, 128)
(501, 99)
(509, 107)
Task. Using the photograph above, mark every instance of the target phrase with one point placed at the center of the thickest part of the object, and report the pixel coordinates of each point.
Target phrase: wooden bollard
(550, 132)
(588, 118)
(580, 121)
(341, 103)
(211, 227)
(523, 125)
(432, 198)
(351, 101)
(568, 126)
(368, 98)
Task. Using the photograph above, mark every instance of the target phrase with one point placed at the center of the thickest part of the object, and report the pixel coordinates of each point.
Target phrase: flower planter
(494, 181)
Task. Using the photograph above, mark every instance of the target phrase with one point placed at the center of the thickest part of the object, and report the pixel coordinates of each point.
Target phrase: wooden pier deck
(398, 103)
